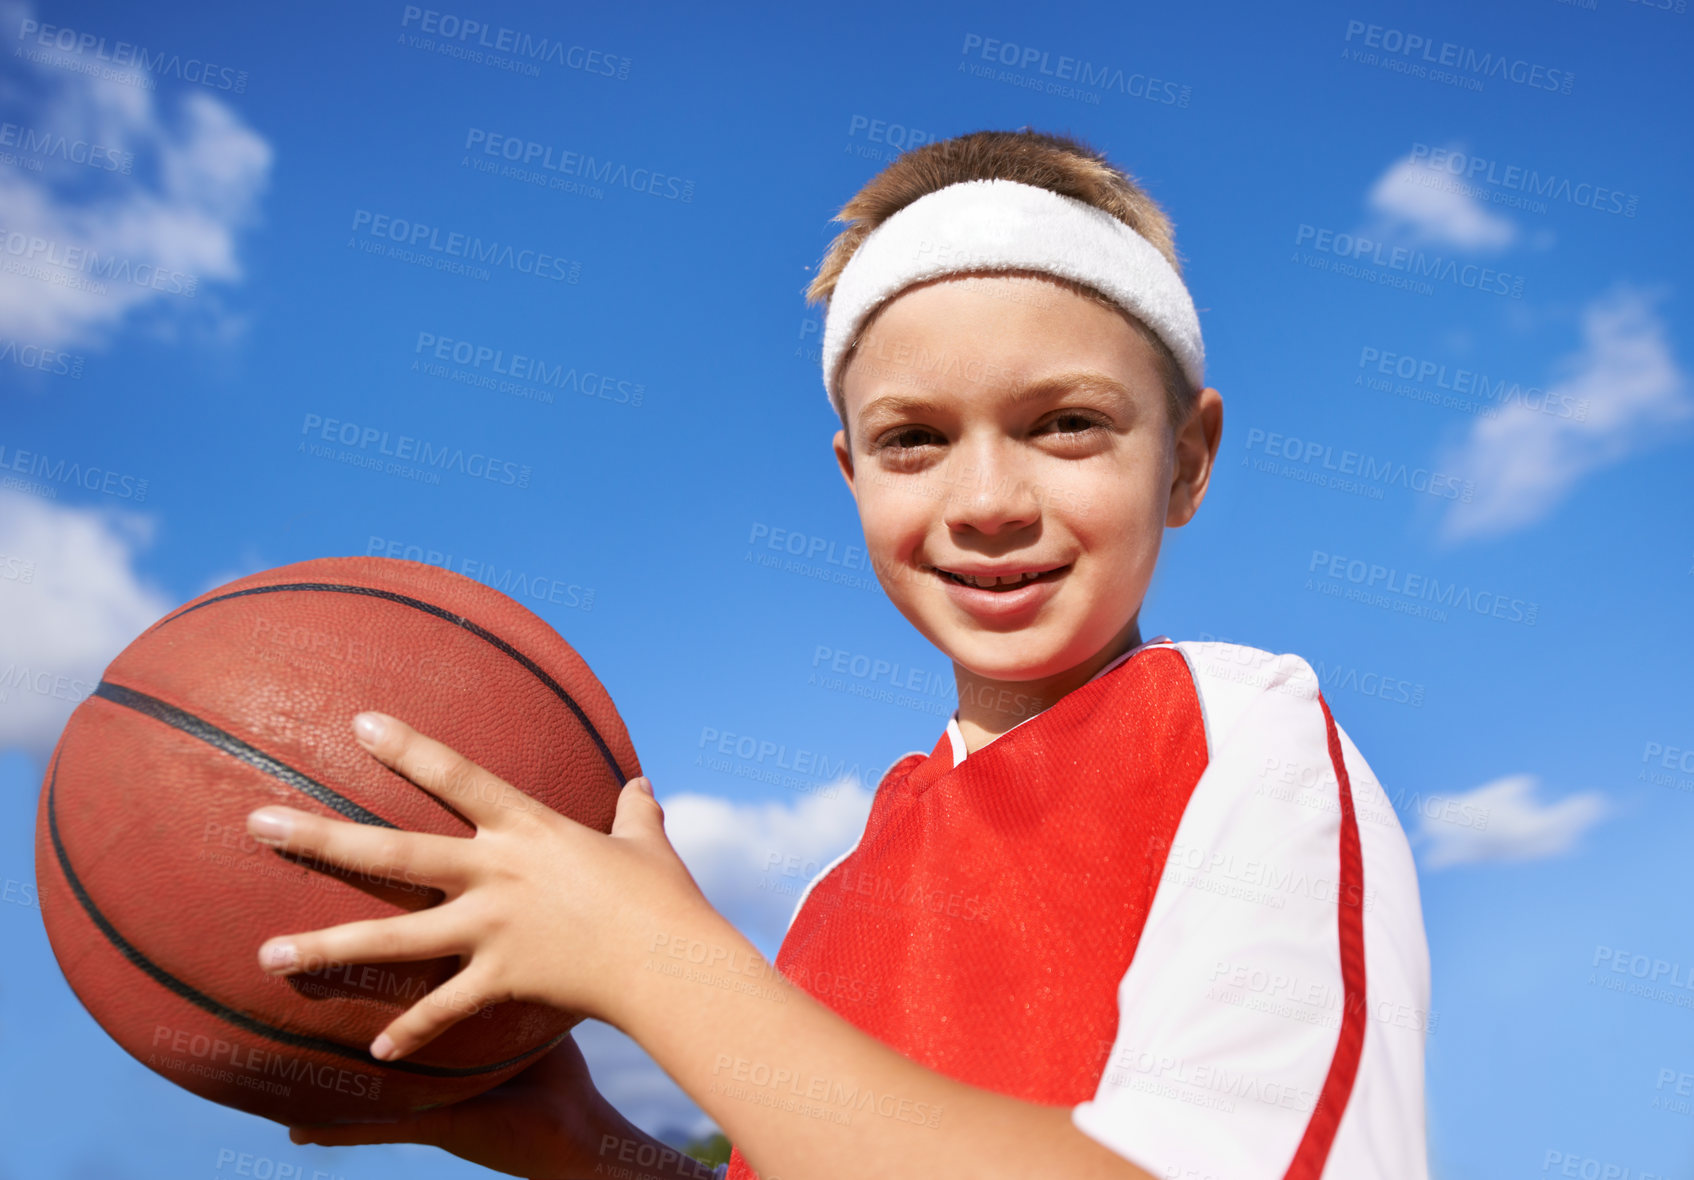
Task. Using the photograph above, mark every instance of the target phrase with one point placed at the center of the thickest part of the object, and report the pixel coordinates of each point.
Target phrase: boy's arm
(803, 1093)
(542, 909)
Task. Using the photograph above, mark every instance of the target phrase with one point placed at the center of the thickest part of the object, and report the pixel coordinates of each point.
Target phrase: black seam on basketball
(229, 1015)
(440, 613)
(217, 738)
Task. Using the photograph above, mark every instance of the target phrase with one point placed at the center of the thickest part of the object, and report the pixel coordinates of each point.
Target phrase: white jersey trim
(1229, 1014)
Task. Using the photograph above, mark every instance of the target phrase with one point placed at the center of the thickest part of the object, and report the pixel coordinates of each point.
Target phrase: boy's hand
(538, 907)
(546, 1121)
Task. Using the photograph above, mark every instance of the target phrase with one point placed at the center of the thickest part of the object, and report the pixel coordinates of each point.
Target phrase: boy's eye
(1073, 422)
(907, 438)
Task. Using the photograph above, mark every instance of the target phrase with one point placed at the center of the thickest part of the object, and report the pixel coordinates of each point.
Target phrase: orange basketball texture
(156, 899)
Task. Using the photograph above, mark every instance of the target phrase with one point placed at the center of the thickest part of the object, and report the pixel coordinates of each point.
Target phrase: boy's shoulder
(1241, 663)
(1231, 678)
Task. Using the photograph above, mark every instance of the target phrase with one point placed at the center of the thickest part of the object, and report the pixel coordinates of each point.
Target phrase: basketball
(156, 899)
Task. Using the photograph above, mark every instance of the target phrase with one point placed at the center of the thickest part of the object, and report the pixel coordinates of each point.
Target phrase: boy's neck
(988, 708)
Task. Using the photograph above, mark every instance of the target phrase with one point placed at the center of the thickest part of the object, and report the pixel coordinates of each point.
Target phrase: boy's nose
(988, 493)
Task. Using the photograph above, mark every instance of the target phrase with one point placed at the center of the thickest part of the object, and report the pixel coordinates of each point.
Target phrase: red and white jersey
(1177, 901)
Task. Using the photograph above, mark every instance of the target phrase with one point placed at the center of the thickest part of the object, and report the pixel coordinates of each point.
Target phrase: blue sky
(1316, 162)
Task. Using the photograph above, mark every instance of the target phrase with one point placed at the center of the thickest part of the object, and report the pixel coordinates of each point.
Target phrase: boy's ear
(844, 457)
(1196, 453)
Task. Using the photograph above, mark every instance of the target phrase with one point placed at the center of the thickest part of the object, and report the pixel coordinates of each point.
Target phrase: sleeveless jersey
(1153, 902)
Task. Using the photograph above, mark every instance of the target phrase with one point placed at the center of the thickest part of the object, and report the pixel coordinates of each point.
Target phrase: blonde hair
(1057, 163)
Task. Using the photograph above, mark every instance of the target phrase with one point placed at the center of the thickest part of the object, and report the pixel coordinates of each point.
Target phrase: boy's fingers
(426, 934)
(463, 995)
(483, 798)
(638, 813)
(420, 860)
(420, 1128)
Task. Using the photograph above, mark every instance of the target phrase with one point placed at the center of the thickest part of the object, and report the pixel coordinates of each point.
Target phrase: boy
(1142, 911)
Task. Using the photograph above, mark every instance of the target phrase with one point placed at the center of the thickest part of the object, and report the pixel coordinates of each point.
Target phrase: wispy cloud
(1626, 381)
(152, 238)
(1424, 205)
(70, 600)
(1513, 824)
(752, 858)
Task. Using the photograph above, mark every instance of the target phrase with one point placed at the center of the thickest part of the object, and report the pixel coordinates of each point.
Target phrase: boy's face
(1009, 425)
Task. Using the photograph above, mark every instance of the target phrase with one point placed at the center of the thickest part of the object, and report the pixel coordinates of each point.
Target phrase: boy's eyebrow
(1076, 381)
(1071, 381)
(896, 405)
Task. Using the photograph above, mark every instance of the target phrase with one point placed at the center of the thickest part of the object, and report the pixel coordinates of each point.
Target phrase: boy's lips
(996, 577)
(1004, 604)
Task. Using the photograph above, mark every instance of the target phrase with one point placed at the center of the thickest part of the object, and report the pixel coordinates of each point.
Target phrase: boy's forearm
(807, 1096)
(620, 1148)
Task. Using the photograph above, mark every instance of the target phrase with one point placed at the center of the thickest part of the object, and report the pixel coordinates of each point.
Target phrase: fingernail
(382, 1048)
(278, 956)
(269, 827)
(369, 728)
(644, 785)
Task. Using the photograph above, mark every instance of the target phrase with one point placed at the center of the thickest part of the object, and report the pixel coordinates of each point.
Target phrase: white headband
(1006, 225)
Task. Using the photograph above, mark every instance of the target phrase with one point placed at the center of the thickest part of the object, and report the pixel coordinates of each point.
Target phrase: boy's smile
(1014, 469)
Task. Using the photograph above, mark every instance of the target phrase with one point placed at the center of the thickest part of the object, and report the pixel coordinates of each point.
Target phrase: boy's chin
(1013, 657)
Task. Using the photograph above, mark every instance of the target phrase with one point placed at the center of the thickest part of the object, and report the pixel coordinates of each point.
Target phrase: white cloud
(1613, 396)
(1505, 822)
(70, 600)
(197, 176)
(639, 1090)
(752, 859)
(1428, 205)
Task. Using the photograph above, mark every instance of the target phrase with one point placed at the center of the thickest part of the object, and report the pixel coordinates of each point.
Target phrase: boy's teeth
(985, 582)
